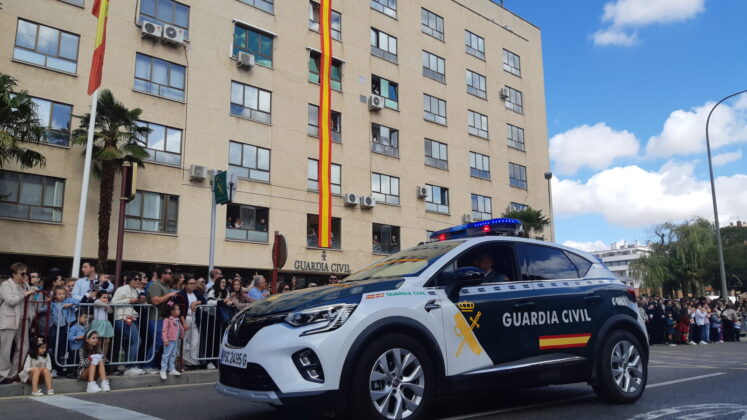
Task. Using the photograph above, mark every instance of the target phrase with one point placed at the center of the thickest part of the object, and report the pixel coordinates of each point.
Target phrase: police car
(474, 308)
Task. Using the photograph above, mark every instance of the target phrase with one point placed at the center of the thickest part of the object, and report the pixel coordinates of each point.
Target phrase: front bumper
(327, 400)
(268, 397)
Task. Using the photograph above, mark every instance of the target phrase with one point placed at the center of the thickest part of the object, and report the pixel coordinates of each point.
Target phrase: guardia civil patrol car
(474, 307)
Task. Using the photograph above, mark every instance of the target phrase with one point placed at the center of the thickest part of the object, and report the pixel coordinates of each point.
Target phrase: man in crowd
(158, 295)
(215, 273)
(89, 284)
(259, 291)
(126, 318)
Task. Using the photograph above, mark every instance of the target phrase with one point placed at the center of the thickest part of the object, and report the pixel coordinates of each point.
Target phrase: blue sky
(628, 85)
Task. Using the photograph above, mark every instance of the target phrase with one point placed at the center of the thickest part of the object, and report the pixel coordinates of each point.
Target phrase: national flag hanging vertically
(100, 10)
(325, 138)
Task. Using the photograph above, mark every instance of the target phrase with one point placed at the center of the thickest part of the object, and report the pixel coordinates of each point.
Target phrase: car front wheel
(623, 369)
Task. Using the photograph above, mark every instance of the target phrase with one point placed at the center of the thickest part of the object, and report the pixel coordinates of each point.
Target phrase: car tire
(378, 385)
(622, 370)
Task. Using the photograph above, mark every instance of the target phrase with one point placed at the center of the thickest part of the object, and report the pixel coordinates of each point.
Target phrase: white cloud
(594, 146)
(684, 131)
(634, 197)
(724, 158)
(614, 36)
(587, 246)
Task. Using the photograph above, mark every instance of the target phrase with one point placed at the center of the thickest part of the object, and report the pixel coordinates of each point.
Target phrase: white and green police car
(475, 307)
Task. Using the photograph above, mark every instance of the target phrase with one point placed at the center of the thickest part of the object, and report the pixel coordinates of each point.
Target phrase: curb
(68, 386)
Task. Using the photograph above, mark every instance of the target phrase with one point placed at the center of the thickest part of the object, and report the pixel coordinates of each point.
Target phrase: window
(152, 212)
(163, 143)
(544, 263)
(517, 175)
(476, 84)
(31, 197)
(335, 70)
(336, 24)
(385, 188)
(434, 67)
(582, 264)
(478, 124)
(253, 42)
(434, 109)
(432, 24)
(55, 118)
(383, 45)
(159, 77)
(385, 239)
(511, 63)
(165, 12)
(514, 100)
(312, 239)
(312, 182)
(384, 140)
(387, 7)
(249, 162)
(436, 154)
(386, 88)
(46, 47)
(482, 208)
(247, 223)
(266, 5)
(475, 45)
(515, 137)
(251, 102)
(518, 206)
(479, 165)
(313, 128)
(437, 199)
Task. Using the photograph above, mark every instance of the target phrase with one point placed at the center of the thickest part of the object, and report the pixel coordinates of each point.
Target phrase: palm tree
(18, 124)
(533, 220)
(115, 141)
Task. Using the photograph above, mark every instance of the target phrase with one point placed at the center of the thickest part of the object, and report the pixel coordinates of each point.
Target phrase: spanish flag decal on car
(547, 342)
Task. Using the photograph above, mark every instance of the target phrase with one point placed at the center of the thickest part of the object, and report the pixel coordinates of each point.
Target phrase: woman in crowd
(13, 293)
(236, 299)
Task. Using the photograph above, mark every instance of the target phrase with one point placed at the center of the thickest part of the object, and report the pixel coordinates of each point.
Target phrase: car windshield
(410, 262)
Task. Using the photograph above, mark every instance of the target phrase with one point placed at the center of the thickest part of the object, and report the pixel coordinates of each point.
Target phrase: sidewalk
(67, 386)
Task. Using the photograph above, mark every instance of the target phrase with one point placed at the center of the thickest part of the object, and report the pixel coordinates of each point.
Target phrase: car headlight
(330, 317)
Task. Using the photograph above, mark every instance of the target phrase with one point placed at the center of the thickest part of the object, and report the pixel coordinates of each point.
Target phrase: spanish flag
(548, 342)
(100, 10)
(325, 135)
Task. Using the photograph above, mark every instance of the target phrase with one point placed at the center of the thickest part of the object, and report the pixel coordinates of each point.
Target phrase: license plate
(233, 358)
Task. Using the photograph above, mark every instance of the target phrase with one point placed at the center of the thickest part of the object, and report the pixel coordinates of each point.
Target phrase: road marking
(154, 388)
(693, 378)
(92, 409)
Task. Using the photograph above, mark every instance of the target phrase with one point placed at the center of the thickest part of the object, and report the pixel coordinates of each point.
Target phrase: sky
(628, 85)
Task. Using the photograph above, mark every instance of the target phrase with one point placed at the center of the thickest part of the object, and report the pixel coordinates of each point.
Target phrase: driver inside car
(485, 261)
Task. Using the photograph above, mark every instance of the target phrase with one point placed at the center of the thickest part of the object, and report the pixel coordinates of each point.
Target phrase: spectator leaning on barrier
(13, 293)
(189, 299)
(126, 319)
(158, 295)
(62, 317)
(87, 286)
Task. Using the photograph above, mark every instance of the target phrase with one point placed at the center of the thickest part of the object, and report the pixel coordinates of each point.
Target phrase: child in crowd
(172, 332)
(101, 324)
(76, 334)
(38, 364)
(92, 364)
(63, 316)
(670, 329)
(69, 286)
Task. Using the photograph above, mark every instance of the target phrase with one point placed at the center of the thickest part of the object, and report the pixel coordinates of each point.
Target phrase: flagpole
(84, 188)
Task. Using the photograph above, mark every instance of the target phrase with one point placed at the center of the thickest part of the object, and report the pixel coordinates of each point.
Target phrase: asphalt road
(685, 382)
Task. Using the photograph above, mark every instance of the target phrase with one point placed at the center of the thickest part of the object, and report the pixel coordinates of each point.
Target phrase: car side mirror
(463, 277)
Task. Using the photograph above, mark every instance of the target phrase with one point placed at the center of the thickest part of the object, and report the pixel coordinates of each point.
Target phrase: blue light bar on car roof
(501, 226)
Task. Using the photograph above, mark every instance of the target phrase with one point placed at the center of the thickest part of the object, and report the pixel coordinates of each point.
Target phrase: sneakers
(672, 345)
(54, 373)
(134, 371)
(151, 371)
(93, 387)
(174, 373)
(720, 341)
(50, 392)
(692, 343)
(37, 393)
(163, 375)
(210, 366)
(105, 385)
(703, 342)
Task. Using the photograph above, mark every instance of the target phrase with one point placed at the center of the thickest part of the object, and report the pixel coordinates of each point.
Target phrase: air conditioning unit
(367, 202)
(351, 199)
(198, 172)
(504, 93)
(375, 102)
(466, 218)
(173, 34)
(245, 60)
(422, 192)
(151, 30)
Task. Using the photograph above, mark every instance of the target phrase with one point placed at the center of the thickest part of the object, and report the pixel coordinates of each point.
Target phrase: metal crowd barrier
(211, 322)
(36, 309)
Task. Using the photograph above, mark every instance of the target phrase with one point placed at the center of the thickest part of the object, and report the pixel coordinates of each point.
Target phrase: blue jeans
(129, 336)
(169, 356)
(706, 333)
(155, 330)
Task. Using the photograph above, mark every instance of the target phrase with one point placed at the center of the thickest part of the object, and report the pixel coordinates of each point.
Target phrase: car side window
(496, 259)
(582, 264)
(544, 263)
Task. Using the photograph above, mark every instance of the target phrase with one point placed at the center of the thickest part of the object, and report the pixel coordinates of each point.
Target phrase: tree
(533, 220)
(18, 124)
(115, 141)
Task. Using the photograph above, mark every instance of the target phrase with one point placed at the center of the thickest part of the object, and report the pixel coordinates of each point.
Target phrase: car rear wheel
(622, 369)
(394, 379)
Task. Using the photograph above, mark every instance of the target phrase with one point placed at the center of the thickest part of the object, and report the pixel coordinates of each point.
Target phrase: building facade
(618, 258)
(459, 132)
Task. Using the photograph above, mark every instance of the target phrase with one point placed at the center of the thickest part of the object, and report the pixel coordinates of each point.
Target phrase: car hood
(318, 296)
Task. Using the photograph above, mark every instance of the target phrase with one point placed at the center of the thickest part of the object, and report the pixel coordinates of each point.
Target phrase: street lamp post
(548, 177)
(722, 269)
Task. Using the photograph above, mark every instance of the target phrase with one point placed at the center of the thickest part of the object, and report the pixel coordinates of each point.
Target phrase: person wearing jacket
(127, 319)
(13, 294)
(173, 330)
(189, 298)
